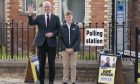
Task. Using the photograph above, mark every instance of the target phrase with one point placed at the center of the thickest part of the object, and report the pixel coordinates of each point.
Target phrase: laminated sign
(94, 37)
(32, 74)
(107, 69)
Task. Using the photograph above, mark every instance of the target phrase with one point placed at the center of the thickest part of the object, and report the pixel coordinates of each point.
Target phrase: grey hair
(47, 3)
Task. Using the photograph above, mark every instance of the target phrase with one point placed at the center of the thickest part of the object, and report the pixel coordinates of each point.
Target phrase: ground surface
(6, 80)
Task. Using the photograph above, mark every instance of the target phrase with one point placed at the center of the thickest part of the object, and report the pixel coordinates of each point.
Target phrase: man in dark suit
(45, 40)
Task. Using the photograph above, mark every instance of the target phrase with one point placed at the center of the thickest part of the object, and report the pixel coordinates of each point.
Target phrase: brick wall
(101, 13)
(134, 20)
(14, 11)
(107, 17)
(86, 70)
(95, 11)
(2, 19)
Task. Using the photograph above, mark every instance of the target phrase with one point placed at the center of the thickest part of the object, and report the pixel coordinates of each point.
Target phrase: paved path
(6, 80)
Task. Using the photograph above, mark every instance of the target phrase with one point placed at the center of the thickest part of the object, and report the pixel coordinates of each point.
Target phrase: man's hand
(30, 9)
(69, 50)
(50, 34)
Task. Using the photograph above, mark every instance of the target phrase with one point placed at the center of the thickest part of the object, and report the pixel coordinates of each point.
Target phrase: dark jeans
(51, 52)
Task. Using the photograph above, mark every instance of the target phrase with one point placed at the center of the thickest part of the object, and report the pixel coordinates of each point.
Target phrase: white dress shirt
(69, 33)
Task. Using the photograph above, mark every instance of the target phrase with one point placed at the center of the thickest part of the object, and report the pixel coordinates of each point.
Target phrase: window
(27, 2)
(76, 6)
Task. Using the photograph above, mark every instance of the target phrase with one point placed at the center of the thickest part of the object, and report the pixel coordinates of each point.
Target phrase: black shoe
(41, 82)
(51, 83)
(73, 83)
(65, 83)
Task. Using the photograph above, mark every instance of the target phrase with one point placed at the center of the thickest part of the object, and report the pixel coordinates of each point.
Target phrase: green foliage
(86, 56)
(4, 54)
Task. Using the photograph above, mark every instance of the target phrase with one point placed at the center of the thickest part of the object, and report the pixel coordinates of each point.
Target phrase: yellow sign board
(32, 70)
(107, 69)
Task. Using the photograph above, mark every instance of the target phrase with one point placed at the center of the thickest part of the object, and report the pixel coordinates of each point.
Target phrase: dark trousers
(51, 52)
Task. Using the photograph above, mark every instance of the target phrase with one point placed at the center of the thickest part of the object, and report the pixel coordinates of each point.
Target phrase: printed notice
(107, 69)
(94, 37)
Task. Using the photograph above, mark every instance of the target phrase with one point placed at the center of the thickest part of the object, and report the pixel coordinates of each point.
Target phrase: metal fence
(16, 41)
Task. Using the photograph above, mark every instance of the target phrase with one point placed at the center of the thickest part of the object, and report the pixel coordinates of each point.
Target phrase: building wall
(134, 21)
(107, 20)
(14, 11)
(2, 5)
(96, 11)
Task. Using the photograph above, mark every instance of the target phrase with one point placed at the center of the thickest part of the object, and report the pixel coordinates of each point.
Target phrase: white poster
(94, 37)
(107, 69)
(120, 12)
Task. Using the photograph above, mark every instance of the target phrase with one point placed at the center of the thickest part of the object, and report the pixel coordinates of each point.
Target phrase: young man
(107, 64)
(45, 40)
(70, 44)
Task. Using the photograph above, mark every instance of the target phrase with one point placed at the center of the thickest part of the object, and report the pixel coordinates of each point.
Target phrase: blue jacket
(74, 37)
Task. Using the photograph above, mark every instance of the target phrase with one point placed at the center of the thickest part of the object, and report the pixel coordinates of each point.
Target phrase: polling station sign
(107, 69)
(94, 37)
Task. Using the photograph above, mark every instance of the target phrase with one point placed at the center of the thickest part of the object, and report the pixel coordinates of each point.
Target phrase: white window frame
(60, 12)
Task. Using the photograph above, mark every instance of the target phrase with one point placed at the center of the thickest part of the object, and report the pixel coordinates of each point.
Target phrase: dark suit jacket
(53, 26)
(74, 37)
(106, 65)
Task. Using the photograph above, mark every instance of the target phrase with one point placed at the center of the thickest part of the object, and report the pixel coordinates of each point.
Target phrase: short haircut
(47, 2)
(68, 13)
(107, 57)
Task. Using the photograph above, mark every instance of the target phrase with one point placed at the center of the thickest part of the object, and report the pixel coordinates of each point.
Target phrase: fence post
(17, 38)
(130, 41)
(136, 55)
(96, 24)
(0, 40)
(12, 39)
(113, 24)
(109, 34)
(6, 38)
(116, 37)
(28, 38)
(123, 37)
(89, 46)
(83, 39)
(22, 39)
(103, 26)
